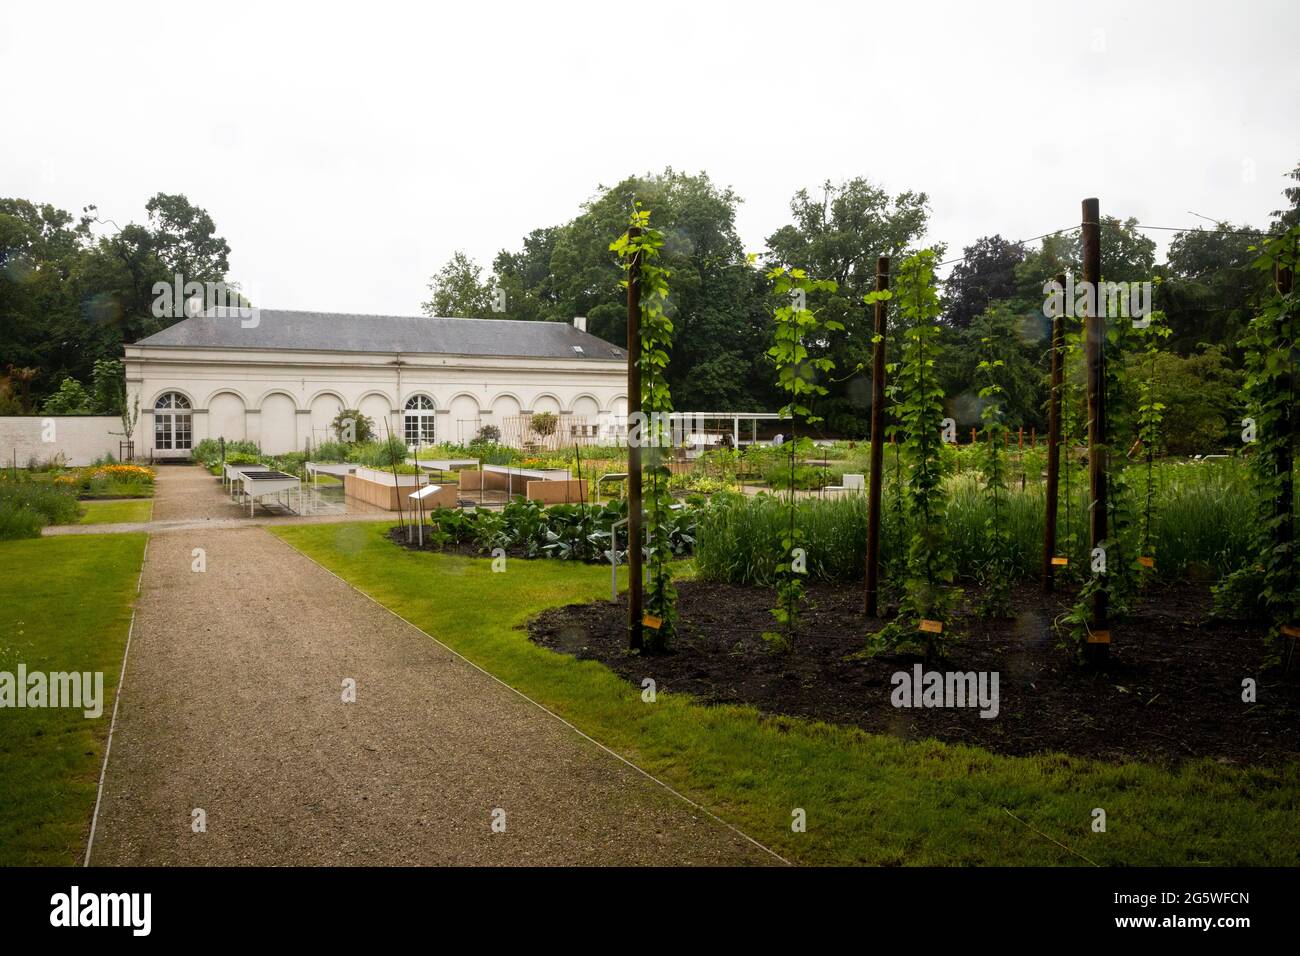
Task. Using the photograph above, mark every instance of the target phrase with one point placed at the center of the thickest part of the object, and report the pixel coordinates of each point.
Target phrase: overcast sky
(346, 150)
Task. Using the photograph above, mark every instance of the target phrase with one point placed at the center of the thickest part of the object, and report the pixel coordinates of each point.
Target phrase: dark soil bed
(1171, 691)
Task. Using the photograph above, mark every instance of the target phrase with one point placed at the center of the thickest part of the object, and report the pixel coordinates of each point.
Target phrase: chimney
(580, 323)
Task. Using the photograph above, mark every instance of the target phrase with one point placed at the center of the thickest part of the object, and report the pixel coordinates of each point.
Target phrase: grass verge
(116, 512)
(66, 606)
(868, 799)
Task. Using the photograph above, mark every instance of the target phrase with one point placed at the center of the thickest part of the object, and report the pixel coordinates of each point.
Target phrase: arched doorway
(173, 423)
(418, 421)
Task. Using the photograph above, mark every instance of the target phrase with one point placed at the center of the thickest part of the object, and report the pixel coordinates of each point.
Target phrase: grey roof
(340, 332)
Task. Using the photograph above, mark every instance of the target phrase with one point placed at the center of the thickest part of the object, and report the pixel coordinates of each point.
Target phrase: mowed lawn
(65, 605)
(868, 799)
(116, 512)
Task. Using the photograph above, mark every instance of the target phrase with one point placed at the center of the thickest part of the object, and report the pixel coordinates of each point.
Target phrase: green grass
(66, 606)
(115, 512)
(869, 798)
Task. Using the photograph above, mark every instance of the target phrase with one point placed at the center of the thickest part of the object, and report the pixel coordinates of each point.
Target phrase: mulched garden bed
(1171, 691)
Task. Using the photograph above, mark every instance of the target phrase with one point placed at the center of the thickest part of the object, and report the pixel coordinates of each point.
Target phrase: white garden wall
(81, 439)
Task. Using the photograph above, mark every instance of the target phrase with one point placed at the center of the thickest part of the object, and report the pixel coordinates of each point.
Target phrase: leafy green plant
(1267, 588)
(545, 423)
(26, 506)
(928, 594)
(799, 375)
(995, 575)
(1150, 418)
(642, 243)
(70, 399)
(350, 426)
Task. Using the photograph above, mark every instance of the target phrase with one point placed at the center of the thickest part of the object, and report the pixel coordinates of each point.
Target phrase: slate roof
(341, 332)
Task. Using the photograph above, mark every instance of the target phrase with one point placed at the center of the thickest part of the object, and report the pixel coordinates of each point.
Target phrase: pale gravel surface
(231, 703)
(189, 498)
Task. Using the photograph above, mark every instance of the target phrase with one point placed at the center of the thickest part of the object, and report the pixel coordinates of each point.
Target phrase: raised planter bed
(383, 490)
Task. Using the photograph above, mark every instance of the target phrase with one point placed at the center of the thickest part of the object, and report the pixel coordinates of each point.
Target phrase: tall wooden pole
(1098, 648)
(636, 433)
(877, 444)
(1054, 440)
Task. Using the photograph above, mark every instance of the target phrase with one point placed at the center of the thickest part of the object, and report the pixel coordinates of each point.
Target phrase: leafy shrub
(350, 425)
(565, 532)
(70, 399)
(379, 454)
(26, 506)
(208, 451)
(543, 423)
(330, 451)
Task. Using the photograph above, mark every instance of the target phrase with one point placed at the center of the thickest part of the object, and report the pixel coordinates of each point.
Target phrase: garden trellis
(1108, 561)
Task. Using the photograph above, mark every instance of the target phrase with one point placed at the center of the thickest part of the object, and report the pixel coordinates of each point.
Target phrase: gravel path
(188, 498)
(232, 704)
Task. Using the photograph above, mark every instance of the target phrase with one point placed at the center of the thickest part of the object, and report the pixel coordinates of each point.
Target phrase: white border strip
(541, 707)
(117, 699)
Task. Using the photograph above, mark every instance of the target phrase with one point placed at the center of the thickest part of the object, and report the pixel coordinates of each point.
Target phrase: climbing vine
(1115, 569)
(1150, 418)
(798, 375)
(998, 568)
(1072, 403)
(928, 597)
(653, 433)
(1268, 588)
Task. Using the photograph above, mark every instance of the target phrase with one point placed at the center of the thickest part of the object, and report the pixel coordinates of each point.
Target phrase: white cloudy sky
(345, 150)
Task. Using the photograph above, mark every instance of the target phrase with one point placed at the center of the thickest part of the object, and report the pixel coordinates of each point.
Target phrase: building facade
(280, 379)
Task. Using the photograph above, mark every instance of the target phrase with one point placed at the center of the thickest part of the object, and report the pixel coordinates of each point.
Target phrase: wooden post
(1098, 648)
(1020, 438)
(1053, 443)
(871, 604)
(635, 583)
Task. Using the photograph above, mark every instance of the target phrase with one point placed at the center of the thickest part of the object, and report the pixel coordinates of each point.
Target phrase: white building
(279, 378)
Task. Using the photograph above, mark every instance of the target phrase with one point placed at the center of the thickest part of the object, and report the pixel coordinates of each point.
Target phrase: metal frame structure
(263, 484)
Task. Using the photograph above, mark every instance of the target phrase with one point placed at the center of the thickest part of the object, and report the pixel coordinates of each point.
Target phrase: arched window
(419, 420)
(172, 423)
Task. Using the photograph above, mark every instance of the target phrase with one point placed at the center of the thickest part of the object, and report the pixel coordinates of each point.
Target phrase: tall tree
(185, 239)
(458, 291)
(837, 235)
(986, 273)
(1210, 288)
(717, 300)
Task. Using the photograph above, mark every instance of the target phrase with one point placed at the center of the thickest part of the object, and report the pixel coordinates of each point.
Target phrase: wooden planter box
(378, 488)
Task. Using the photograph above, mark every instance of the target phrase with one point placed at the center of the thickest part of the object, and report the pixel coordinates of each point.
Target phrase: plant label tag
(1099, 637)
(1147, 562)
(652, 622)
(1290, 630)
(1060, 562)
(930, 627)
